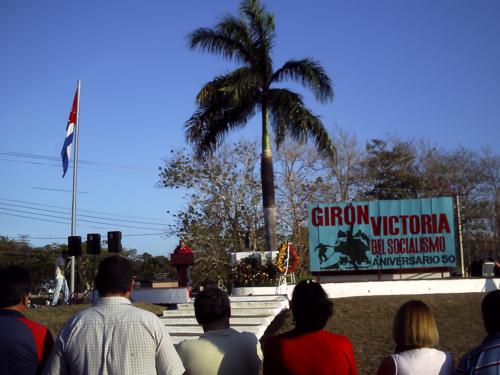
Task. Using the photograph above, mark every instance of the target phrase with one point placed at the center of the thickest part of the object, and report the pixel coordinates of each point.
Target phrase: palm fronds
(310, 73)
(289, 116)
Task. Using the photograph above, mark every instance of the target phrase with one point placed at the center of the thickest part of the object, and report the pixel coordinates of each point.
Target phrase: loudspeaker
(115, 242)
(93, 243)
(74, 246)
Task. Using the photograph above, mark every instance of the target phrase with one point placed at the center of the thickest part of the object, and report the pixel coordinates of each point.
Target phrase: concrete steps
(183, 321)
(248, 314)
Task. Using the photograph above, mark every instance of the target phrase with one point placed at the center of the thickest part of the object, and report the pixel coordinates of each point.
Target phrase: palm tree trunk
(267, 179)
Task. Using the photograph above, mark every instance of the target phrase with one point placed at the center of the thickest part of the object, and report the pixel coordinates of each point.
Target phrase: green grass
(367, 321)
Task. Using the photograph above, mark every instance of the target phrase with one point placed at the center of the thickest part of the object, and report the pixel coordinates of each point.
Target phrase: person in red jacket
(182, 248)
(308, 348)
(24, 344)
(183, 274)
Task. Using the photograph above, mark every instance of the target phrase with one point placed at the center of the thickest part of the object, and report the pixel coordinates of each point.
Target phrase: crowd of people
(114, 337)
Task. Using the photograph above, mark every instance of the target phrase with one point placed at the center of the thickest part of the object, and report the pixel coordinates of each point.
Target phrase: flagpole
(75, 165)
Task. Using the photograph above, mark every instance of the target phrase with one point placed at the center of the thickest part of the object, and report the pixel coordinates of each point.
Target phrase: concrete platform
(161, 296)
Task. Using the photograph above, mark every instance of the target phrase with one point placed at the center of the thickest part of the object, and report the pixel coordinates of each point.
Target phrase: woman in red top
(308, 349)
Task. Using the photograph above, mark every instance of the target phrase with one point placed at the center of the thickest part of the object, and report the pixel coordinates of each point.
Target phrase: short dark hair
(15, 283)
(114, 275)
(491, 311)
(311, 307)
(211, 305)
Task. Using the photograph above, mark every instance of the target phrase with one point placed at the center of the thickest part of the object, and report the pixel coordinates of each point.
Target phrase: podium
(182, 261)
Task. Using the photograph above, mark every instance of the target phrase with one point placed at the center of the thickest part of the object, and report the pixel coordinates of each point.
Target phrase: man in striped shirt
(485, 359)
(113, 337)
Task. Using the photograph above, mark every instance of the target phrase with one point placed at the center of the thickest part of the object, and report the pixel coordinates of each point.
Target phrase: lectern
(182, 261)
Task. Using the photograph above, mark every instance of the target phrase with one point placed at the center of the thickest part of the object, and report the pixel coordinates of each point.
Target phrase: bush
(250, 272)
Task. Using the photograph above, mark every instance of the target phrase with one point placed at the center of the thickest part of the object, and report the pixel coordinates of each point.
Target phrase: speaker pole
(75, 165)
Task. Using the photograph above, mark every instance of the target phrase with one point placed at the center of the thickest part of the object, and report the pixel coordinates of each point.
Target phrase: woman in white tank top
(415, 333)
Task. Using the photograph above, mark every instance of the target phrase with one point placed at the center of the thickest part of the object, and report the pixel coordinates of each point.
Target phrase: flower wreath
(281, 260)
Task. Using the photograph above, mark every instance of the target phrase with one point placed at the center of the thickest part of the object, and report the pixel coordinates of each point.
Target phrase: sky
(416, 69)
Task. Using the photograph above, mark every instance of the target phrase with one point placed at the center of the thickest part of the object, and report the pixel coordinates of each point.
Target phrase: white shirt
(60, 263)
(114, 338)
(423, 361)
(222, 352)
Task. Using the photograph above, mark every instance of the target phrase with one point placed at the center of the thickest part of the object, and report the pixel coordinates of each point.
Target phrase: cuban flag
(70, 129)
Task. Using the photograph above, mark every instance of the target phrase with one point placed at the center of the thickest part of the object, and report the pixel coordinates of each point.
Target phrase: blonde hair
(414, 327)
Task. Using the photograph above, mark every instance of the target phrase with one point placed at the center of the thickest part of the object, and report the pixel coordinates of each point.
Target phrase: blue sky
(417, 69)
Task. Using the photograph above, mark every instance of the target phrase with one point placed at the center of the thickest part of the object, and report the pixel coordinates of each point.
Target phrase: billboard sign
(382, 235)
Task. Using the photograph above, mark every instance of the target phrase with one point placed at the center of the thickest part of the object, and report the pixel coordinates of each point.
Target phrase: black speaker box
(74, 246)
(115, 242)
(93, 243)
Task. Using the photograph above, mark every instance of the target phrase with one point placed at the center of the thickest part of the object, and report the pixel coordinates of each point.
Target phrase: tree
(300, 180)
(149, 267)
(223, 211)
(390, 171)
(489, 165)
(345, 170)
(229, 101)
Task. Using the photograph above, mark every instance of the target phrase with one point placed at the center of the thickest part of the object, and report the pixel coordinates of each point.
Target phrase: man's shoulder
(131, 311)
(488, 350)
(123, 315)
(225, 341)
(143, 315)
(19, 322)
(104, 310)
(229, 335)
(491, 343)
(34, 326)
(191, 348)
(321, 336)
(246, 337)
(340, 339)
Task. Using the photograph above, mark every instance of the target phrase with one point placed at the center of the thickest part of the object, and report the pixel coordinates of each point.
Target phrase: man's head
(311, 307)
(114, 277)
(15, 285)
(212, 308)
(491, 311)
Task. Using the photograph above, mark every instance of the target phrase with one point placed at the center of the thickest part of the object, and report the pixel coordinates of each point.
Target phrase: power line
(60, 222)
(81, 215)
(80, 220)
(51, 221)
(143, 234)
(27, 162)
(46, 158)
(57, 159)
(28, 237)
(61, 190)
(34, 218)
(67, 208)
(28, 253)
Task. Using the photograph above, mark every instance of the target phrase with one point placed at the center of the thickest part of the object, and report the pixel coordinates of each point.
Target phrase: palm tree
(229, 101)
